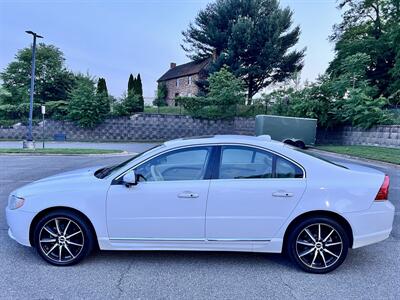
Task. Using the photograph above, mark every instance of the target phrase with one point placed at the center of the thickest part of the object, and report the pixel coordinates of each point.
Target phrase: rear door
(252, 193)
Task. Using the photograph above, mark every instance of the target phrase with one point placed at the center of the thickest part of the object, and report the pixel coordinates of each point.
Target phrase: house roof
(187, 69)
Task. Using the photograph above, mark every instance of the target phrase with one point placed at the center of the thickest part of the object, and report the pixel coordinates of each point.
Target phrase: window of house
(177, 82)
(189, 80)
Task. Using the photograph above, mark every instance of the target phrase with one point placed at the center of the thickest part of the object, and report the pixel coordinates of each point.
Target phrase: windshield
(106, 171)
(316, 155)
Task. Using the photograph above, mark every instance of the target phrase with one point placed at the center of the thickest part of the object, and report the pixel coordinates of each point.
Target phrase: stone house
(181, 80)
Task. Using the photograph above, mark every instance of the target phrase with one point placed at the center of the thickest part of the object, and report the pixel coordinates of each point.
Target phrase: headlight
(15, 202)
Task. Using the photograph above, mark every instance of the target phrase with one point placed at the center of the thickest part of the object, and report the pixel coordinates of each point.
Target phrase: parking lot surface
(371, 272)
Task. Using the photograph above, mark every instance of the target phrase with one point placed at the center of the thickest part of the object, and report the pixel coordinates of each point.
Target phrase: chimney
(172, 65)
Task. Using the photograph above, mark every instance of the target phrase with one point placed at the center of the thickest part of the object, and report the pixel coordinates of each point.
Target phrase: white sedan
(216, 193)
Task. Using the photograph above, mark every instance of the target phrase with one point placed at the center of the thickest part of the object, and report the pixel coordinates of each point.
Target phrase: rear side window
(287, 169)
(240, 162)
(243, 162)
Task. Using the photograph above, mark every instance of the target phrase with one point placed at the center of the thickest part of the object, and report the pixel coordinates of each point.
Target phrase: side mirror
(129, 179)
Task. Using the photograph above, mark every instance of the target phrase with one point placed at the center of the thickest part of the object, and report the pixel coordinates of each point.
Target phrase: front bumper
(19, 222)
(372, 225)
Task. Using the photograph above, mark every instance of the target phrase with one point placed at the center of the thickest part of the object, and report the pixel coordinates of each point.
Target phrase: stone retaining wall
(384, 135)
(158, 127)
(139, 127)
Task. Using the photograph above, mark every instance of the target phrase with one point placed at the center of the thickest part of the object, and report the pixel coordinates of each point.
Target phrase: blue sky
(114, 38)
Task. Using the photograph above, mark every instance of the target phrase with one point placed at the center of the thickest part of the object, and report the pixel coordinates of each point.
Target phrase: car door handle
(282, 194)
(188, 195)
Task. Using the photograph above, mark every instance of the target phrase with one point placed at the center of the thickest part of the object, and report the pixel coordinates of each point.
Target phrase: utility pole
(43, 113)
(29, 143)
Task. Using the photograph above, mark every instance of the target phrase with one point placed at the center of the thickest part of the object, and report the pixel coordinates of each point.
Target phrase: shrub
(16, 112)
(85, 106)
(57, 110)
(363, 111)
(224, 94)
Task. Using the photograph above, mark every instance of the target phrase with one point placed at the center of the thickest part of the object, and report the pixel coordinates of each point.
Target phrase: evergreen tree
(132, 102)
(254, 38)
(131, 85)
(139, 92)
(102, 86)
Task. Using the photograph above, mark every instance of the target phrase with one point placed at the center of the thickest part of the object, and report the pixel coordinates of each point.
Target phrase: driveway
(371, 272)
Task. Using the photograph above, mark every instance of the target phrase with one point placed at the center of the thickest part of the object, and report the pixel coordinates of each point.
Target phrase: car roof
(261, 140)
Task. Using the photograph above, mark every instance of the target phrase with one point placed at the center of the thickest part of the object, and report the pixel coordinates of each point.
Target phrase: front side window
(184, 164)
(189, 80)
(238, 162)
(177, 82)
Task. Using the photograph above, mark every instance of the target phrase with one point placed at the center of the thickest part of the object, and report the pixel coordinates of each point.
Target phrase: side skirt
(270, 246)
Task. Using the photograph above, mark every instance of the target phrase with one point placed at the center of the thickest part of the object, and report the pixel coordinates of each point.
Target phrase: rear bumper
(19, 222)
(372, 225)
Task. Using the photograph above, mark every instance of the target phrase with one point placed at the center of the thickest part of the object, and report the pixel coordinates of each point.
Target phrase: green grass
(68, 151)
(391, 155)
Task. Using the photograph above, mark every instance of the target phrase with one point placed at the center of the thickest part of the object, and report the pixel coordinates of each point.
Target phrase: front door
(169, 201)
(254, 193)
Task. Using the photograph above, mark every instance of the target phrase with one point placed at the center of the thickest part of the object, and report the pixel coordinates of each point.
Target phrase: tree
(52, 81)
(161, 96)
(359, 109)
(104, 98)
(252, 37)
(131, 85)
(139, 92)
(224, 94)
(131, 101)
(394, 88)
(85, 106)
(369, 27)
(102, 86)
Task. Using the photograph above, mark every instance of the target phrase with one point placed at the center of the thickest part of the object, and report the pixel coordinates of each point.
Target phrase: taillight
(383, 193)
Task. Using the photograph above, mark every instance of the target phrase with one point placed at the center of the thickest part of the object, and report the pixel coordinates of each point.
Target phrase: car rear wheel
(318, 245)
(63, 238)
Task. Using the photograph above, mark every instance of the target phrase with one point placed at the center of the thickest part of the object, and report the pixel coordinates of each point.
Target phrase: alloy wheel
(319, 246)
(61, 239)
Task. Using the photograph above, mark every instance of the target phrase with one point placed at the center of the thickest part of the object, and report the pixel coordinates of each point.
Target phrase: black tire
(288, 142)
(66, 230)
(333, 243)
(300, 144)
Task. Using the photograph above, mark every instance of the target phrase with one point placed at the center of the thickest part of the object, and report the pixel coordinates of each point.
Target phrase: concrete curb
(125, 153)
(356, 158)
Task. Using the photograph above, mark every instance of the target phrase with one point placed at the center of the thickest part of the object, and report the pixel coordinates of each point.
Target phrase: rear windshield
(316, 155)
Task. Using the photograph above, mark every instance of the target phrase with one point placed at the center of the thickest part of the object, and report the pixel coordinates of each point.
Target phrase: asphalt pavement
(371, 272)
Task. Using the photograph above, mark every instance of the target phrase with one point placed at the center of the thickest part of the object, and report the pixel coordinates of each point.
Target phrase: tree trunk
(250, 92)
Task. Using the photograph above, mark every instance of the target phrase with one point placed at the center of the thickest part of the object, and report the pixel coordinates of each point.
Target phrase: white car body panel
(234, 215)
(246, 209)
(141, 211)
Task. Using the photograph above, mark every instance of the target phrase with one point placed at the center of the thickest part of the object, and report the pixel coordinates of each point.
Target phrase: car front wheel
(318, 245)
(63, 238)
